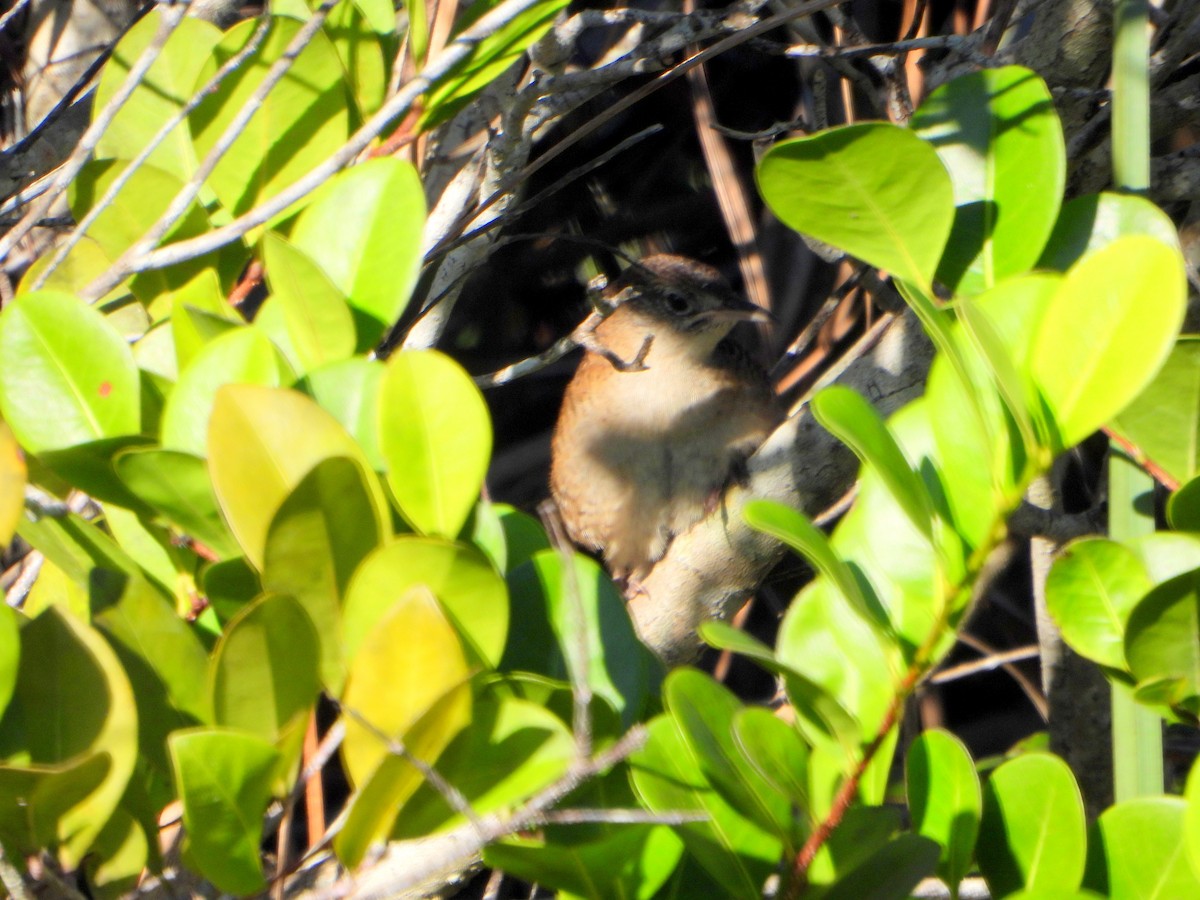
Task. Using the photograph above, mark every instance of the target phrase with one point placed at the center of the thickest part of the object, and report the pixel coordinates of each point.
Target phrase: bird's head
(686, 305)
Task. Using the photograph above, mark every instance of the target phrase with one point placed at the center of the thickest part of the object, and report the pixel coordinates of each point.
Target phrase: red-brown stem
(252, 279)
(314, 794)
(1157, 472)
(845, 794)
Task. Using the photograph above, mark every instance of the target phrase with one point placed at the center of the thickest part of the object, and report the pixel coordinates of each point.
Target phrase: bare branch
(171, 18)
(230, 65)
(117, 272)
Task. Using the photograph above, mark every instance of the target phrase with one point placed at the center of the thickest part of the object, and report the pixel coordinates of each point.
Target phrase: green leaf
(826, 642)
(1163, 423)
(166, 662)
(793, 528)
(489, 58)
(261, 443)
(303, 120)
(1091, 590)
(703, 711)
(119, 856)
(1191, 819)
(1123, 306)
(224, 781)
(469, 590)
(1162, 638)
(944, 797)
(68, 377)
(320, 534)
(436, 437)
(263, 674)
(418, 697)
(1167, 554)
(349, 391)
(363, 228)
(177, 486)
(631, 864)
(776, 752)
(1138, 851)
(846, 414)
(574, 622)
(1183, 507)
(230, 586)
(874, 190)
(408, 661)
(890, 873)
(511, 750)
(10, 654)
(733, 850)
(133, 212)
(72, 704)
(997, 133)
(1088, 223)
(362, 56)
(243, 356)
(1032, 835)
(162, 91)
(318, 320)
(198, 315)
(12, 486)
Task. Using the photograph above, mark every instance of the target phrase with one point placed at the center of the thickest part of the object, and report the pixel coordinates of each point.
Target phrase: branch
(183, 200)
(230, 65)
(397, 106)
(171, 18)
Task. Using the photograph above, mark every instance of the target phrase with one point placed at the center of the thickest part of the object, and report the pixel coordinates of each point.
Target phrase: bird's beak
(739, 311)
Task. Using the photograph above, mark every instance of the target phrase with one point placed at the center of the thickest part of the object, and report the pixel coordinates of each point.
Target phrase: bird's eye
(678, 305)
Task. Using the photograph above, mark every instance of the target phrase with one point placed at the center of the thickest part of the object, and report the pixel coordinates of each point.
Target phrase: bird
(661, 414)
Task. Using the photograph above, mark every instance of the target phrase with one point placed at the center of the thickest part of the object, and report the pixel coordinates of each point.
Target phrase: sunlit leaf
(436, 437)
(224, 779)
(997, 133)
(875, 190)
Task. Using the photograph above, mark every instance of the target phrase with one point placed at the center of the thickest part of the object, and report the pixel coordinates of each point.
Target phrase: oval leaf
(409, 661)
(997, 133)
(1090, 591)
(875, 190)
(1032, 835)
(263, 674)
(261, 443)
(319, 325)
(473, 596)
(1123, 307)
(68, 376)
(944, 796)
(436, 437)
(363, 228)
(224, 781)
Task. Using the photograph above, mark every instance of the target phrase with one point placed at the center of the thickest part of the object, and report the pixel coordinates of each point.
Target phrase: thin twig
(614, 817)
(12, 879)
(67, 100)
(171, 18)
(583, 336)
(12, 13)
(460, 48)
(1028, 688)
(889, 48)
(20, 589)
(989, 663)
(230, 65)
(187, 194)
(454, 798)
